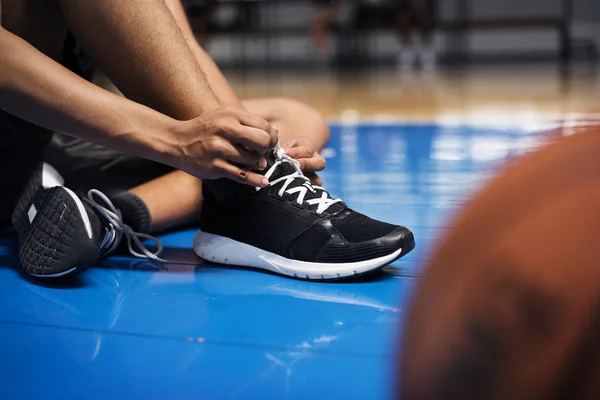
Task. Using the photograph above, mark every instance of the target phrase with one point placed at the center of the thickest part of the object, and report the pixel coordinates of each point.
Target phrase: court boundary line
(197, 340)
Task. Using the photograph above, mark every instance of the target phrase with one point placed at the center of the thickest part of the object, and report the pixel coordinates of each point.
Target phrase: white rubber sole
(84, 215)
(222, 250)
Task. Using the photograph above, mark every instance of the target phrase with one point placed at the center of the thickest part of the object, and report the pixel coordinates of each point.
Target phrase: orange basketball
(509, 305)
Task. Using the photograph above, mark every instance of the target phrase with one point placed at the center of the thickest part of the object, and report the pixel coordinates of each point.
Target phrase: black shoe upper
(278, 224)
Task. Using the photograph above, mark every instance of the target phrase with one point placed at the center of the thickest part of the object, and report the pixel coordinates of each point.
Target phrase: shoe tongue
(287, 168)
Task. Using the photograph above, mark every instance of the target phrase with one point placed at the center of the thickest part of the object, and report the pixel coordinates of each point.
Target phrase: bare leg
(169, 75)
(171, 83)
(174, 199)
(140, 47)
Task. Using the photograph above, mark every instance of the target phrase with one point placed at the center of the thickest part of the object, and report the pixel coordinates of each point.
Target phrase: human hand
(224, 143)
(303, 151)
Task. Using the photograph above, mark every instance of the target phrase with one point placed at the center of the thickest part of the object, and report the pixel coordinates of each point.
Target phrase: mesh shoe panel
(357, 227)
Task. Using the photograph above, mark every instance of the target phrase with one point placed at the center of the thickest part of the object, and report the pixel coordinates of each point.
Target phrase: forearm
(215, 77)
(41, 91)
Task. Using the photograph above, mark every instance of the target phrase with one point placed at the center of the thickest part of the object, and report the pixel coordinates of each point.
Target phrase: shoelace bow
(322, 203)
(116, 229)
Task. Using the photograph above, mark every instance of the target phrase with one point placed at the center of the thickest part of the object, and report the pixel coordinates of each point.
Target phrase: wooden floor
(485, 93)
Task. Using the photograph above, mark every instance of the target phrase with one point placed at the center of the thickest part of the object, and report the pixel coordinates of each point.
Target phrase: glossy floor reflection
(185, 330)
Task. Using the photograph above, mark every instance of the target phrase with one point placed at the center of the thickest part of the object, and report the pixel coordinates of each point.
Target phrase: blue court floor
(131, 329)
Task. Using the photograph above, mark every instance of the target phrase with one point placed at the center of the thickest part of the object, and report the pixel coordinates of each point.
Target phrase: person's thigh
(85, 165)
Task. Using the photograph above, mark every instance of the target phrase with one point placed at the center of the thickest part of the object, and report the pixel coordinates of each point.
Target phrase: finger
(288, 144)
(315, 163)
(242, 157)
(221, 148)
(240, 175)
(300, 152)
(314, 178)
(253, 139)
(253, 121)
(274, 133)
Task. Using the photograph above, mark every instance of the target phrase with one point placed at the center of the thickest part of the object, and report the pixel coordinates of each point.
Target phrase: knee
(308, 117)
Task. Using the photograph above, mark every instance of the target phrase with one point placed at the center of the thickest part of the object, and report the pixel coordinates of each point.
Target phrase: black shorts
(84, 165)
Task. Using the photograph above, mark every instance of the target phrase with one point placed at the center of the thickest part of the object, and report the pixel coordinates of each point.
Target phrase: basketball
(509, 304)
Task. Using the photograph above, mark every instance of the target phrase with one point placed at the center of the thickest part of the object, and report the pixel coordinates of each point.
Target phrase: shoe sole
(222, 250)
(43, 236)
(47, 177)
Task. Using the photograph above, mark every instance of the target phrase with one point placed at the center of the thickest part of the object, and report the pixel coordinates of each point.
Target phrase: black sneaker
(295, 228)
(62, 232)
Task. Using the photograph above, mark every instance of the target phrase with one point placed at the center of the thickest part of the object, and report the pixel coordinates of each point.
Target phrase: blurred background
(411, 59)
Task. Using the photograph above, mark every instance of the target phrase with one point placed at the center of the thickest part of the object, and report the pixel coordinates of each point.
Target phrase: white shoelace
(323, 202)
(116, 229)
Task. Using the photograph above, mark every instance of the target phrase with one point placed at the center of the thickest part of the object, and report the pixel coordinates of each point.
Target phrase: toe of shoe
(342, 252)
(399, 238)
